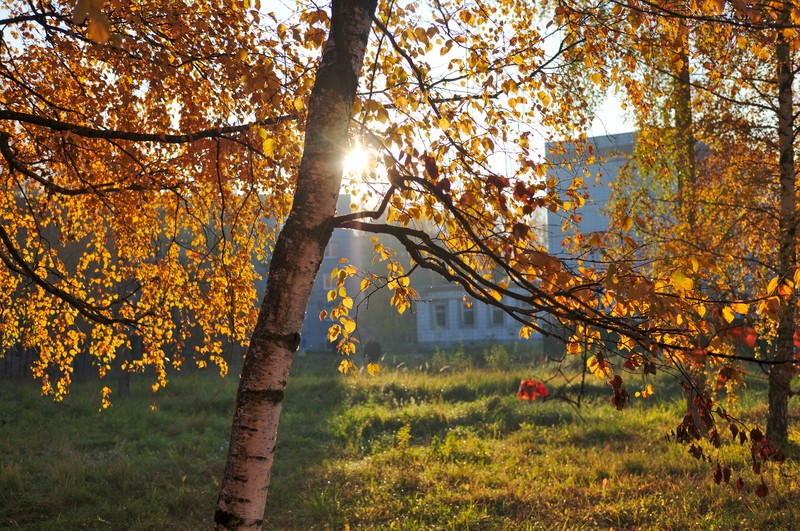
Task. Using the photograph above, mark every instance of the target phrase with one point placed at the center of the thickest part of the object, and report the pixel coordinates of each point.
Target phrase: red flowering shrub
(530, 389)
(750, 336)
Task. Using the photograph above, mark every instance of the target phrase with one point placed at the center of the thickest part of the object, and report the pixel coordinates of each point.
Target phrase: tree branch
(111, 134)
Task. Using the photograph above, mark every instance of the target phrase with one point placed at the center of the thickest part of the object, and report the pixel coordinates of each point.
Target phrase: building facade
(599, 168)
(344, 245)
(446, 318)
(608, 155)
(439, 318)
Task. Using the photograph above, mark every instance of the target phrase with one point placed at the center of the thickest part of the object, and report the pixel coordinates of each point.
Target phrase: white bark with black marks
(295, 262)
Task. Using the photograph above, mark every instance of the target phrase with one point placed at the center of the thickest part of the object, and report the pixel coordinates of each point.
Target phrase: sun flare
(356, 160)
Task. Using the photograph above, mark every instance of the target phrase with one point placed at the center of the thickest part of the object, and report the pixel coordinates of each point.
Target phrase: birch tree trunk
(686, 169)
(295, 261)
(780, 374)
(686, 163)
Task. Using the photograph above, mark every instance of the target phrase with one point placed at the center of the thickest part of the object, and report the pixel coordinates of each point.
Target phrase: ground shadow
(314, 391)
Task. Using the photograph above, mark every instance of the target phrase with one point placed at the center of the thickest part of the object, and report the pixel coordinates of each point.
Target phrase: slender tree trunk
(686, 170)
(123, 383)
(780, 374)
(684, 131)
(295, 261)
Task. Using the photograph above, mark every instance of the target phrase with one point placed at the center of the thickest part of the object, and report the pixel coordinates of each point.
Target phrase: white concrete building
(610, 153)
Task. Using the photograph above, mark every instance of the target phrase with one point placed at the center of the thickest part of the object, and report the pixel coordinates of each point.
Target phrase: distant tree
(732, 209)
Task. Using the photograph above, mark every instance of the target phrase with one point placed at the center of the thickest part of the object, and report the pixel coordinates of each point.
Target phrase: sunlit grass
(405, 450)
(488, 461)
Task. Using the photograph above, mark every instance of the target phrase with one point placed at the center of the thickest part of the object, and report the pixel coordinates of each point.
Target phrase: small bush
(497, 357)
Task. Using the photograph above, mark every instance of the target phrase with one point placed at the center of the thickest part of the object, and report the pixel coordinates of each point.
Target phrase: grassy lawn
(406, 450)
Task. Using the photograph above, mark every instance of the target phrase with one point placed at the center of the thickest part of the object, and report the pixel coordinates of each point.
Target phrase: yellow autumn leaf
(740, 308)
(268, 147)
(741, 42)
(785, 291)
(334, 332)
(346, 367)
(772, 285)
(681, 282)
(627, 223)
(349, 325)
(728, 314)
(598, 368)
(105, 392)
(714, 6)
(544, 97)
(347, 348)
(647, 392)
(98, 29)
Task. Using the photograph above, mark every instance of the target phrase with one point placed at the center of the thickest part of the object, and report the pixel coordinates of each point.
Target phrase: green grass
(405, 450)
(70, 466)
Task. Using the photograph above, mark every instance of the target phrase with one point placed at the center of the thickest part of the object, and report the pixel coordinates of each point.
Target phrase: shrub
(497, 357)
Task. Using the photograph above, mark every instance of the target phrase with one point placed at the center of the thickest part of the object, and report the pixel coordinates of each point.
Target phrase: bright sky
(611, 119)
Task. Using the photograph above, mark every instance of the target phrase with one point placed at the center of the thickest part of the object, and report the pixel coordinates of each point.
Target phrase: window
(468, 316)
(498, 316)
(329, 283)
(440, 315)
(331, 250)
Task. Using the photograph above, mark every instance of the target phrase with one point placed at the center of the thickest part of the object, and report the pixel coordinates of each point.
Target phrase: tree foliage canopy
(143, 155)
(150, 152)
